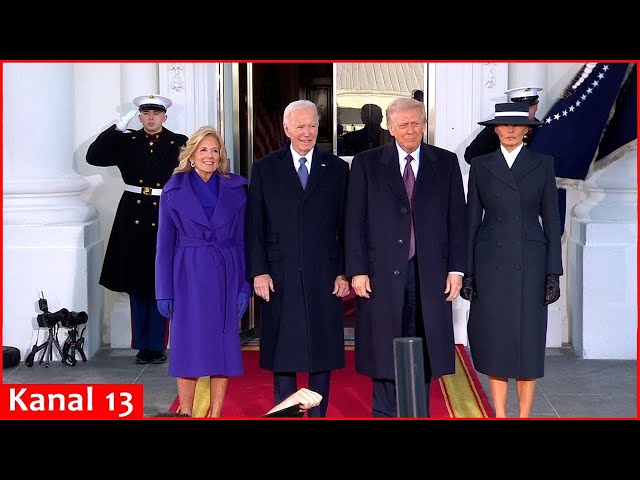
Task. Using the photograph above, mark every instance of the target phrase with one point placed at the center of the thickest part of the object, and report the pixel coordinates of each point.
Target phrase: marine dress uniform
(146, 161)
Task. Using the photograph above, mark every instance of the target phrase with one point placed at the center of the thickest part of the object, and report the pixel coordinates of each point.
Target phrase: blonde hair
(189, 148)
(402, 104)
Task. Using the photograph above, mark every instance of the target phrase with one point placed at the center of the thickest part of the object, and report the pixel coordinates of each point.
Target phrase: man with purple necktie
(405, 238)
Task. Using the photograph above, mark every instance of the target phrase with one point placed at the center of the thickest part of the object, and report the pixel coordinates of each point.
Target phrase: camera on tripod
(74, 342)
(49, 319)
(65, 317)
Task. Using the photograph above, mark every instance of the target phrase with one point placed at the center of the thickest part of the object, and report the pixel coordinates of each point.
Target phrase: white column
(137, 79)
(51, 236)
(530, 75)
(602, 260)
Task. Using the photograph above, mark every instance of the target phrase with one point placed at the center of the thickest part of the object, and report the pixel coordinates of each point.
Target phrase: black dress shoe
(157, 357)
(143, 356)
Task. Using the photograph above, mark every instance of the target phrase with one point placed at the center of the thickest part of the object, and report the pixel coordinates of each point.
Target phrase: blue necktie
(303, 173)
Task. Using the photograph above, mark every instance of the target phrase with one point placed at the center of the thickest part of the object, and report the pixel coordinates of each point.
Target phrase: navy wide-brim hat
(511, 114)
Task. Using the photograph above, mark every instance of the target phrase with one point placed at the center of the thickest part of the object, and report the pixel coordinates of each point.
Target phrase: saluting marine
(146, 159)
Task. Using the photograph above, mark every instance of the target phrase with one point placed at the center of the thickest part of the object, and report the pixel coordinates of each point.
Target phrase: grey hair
(296, 105)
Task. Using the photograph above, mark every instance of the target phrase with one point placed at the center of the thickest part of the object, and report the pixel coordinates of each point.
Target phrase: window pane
(363, 93)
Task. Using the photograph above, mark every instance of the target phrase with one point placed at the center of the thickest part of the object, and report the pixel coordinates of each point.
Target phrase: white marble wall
(602, 261)
(51, 240)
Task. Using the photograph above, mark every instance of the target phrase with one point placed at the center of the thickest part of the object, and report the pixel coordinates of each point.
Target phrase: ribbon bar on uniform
(143, 190)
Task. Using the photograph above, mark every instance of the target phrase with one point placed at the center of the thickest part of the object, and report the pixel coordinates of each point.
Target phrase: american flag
(596, 112)
(574, 126)
(268, 131)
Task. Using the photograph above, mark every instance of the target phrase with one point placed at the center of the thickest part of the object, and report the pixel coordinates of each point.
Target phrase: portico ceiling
(395, 78)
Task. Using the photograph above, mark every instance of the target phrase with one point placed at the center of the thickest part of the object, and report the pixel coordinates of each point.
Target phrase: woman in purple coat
(200, 268)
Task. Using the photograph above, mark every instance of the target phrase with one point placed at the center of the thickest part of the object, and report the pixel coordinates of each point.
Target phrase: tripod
(47, 346)
(71, 344)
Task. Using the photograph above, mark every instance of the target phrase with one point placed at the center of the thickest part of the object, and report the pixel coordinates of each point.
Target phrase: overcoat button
(138, 201)
(403, 210)
(498, 195)
(518, 267)
(400, 242)
(498, 244)
(137, 222)
(499, 267)
(141, 182)
(396, 272)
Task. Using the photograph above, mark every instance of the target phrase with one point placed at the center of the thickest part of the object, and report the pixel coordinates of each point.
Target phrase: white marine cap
(524, 94)
(152, 102)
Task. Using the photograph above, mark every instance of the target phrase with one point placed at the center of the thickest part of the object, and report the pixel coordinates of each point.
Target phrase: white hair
(297, 105)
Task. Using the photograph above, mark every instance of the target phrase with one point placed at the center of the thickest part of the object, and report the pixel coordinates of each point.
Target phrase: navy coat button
(518, 267)
(400, 242)
(403, 210)
(499, 268)
(396, 272)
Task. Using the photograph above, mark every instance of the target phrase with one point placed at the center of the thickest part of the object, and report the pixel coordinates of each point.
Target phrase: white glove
(124, 121)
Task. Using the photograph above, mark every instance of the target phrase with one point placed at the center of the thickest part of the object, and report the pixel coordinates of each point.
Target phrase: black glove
(551, 288)
(468, 290)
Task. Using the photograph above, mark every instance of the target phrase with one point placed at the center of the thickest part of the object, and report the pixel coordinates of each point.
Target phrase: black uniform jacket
(144, 161)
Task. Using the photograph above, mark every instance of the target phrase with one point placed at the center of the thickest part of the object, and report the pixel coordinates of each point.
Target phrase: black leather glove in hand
(468, 290)
(551, 288)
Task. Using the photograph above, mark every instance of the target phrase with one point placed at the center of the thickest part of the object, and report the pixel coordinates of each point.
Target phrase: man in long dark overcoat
(405, 249)
(294, 244)
(146, 159)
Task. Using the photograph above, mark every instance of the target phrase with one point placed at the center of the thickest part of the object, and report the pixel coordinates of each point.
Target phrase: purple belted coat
(200, 264)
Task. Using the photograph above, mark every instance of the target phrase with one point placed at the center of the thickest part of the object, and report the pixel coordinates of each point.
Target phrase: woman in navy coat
(200, 268)
(514, 259)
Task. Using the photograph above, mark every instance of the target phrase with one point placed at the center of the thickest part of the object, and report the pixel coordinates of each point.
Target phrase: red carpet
(250, 396)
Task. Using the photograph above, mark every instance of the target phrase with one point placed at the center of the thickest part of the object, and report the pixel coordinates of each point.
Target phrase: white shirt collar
(510, 157)
(415, 163)
(402, 154)
(296, 158)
